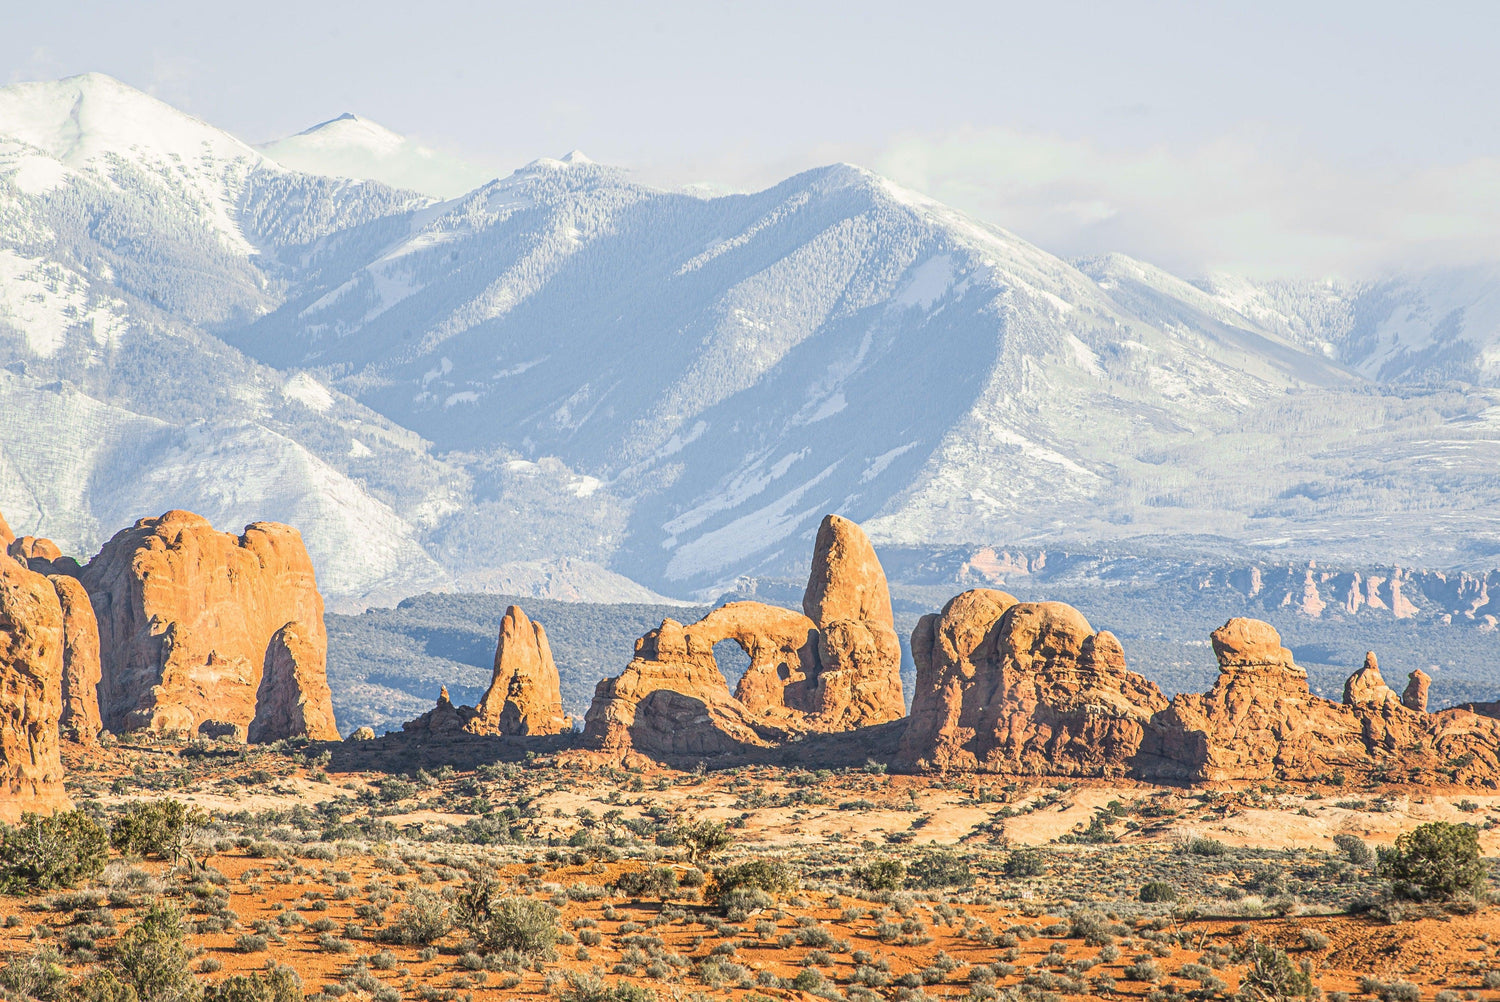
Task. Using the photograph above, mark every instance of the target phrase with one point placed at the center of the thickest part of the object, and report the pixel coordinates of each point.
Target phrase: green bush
(160, 828)
(587, 988)
(770, 877)
(1354, 849)
(658, 882)
(1437, 861)
(421, 922)
(279, 984)
(498, 923)
(1154, 891)
(881, 875)
(39, 976)
(1024, 863)
(1270, 974)
(101, 985)
(703, 839)
(939, 869)
(42, 853)
(152, 958)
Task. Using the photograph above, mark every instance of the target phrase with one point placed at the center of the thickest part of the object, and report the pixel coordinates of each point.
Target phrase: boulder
(31, 674)
(293, 700)
(1415, 695)
(43, 556)
(1366, 686)
(525, 694)
(1025, 688)
(365, 733)
(79, 720)
(186, 618)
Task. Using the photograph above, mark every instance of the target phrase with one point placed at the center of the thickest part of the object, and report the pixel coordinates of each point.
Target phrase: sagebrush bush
(424, 920)
(45, 853)
(498, 922)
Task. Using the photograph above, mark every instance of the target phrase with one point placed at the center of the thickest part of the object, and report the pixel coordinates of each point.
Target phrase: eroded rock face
(31, 672)
(186, 617)
(79, 720)
(1023, 687)
(42, 555)
(1415, 695)
(525, 694)
(6, 535)
(834, 667)
(672, 701)
(293, 700)
(443, 720)
(1367, 687)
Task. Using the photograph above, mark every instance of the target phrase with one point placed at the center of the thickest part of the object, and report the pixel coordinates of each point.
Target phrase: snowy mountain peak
(80, 119)
(355, 147)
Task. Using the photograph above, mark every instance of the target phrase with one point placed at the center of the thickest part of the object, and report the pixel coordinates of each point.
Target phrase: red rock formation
(525, 694)
(293, 699)
(443, 720)
(836, 668)
(1367, 687)
(31, 671)
(80, 720)
(43, 556)
(1023, 688)
(186, 617)
(671, 700)
(6, 535)
(1415, 696)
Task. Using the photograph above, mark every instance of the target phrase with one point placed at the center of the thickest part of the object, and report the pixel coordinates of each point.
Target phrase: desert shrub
(39, 976)
(249, 942)
(703, 840)
(1206, 847)
(152, 957)
(101, 985)
(43, 853)
(1353, 848)
(1436, 861)
(880, 875)
(1024, 863)
(771, 877)
(160, 828)
(1271, 974)
(587, 988)
(1154, 891)
(498, 923)
(279, 984)
(939, 869)
(1314, 940)
(423, 920)
(659, 882)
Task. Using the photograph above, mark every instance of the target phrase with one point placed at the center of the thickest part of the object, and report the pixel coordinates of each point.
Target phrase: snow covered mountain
(561, 376)
(350, 146)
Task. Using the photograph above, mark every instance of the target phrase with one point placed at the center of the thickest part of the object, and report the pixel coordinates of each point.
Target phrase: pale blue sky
(1274, 137)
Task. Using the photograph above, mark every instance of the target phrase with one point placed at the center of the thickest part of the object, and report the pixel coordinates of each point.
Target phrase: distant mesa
(836, 667)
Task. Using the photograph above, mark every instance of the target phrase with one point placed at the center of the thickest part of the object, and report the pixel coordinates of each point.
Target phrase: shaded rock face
(79, 720)
(834, 667)
(525, 693)
(1366, 686)
(31, 673)
(1415, 695)
(293, 699)
(186, 618)
(1027, 688)
(42, 555)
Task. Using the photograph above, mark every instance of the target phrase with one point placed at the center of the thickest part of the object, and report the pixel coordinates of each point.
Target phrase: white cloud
(1239, 203)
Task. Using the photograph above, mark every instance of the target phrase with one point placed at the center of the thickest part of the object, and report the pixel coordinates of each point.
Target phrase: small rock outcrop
(1415, 695)
(365, 733)
(443, 720)
(834, 667)
(1025, 688)
(525, 693)
(186, 618)
(80, 721)
(293, 699)
(42, 555)
(1366, 687)
(31, 673)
